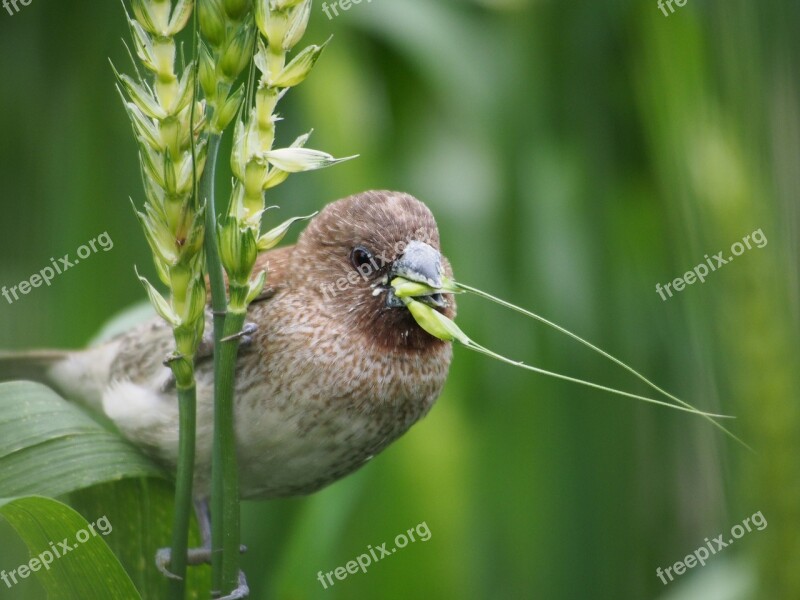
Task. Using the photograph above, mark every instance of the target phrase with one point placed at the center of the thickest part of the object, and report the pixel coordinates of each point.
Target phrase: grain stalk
(414, 295)
(162, 109)
(257, 167)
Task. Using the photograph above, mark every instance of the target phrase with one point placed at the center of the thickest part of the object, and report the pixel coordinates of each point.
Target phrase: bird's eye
(360, 256)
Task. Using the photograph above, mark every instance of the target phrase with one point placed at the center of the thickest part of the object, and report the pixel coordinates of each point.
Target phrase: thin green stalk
(709, 417)
(225, 494)
(215, 273)
(219, 305)
(187, 403)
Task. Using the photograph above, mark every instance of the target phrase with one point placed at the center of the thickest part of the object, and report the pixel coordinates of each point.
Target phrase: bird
(333, 368)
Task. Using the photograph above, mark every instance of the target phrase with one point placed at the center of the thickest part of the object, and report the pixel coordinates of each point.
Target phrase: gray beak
(420, 263)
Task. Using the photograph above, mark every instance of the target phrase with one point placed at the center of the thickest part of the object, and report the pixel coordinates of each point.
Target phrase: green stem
(187, 403)
(219, 305)
(215, 273)
(225, 473)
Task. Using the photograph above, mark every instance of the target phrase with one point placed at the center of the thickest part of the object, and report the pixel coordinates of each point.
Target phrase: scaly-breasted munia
(335, 371)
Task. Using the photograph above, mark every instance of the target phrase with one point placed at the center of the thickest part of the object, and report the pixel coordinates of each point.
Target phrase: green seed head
(296, 71)
(237, 9)
(211, 18)
(238, 249)
(238, 52)
(435, 323)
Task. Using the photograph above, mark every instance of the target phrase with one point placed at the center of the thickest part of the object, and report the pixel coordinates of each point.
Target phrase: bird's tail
(78, 376)
(34, 365)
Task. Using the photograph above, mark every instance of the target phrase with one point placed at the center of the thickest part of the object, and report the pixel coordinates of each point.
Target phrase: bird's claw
(245, 336)
(241, 592)
(163, 559)
(194, 558)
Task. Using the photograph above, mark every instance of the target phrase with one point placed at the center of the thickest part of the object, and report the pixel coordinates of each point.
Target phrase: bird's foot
(194, 557)
(243, 591)
(245, 336)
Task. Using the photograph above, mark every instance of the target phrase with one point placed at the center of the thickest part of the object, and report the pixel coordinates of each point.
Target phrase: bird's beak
(420, 263)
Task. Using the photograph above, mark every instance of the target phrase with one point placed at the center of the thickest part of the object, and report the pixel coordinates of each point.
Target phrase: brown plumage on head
(381, 223)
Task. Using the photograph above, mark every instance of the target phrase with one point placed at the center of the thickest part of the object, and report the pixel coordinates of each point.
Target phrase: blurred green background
(575, 154)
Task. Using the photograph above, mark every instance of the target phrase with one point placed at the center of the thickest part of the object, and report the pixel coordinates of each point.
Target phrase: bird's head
(353, 249)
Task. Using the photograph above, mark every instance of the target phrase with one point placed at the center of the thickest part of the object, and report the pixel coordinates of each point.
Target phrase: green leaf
(141, 511)
(88, 571)
(51, 447)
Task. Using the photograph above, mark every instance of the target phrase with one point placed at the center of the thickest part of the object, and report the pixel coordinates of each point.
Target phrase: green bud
(159, 11)
(142, 98)
(435, 323)
(159, 237)
(143, 45)
(155, 196)
(185, 90)
(146, 131)
(275, 178)
(262, 15)
(211, 18)
(180, 17)
(162, 270)
(195, 304)
(260, 59)
(236, 207)
(192, 245)
(237, 54)
(141, 10)
(256, 287)
(152, 165)
(274, 237)
(159, 303)
(239, 150)
(227, 112)
(296, 71)
(170, 176)
(298, 22)
(273, 24)
(238, 249)
(184, 170)
(208, 73)
(237, 9)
